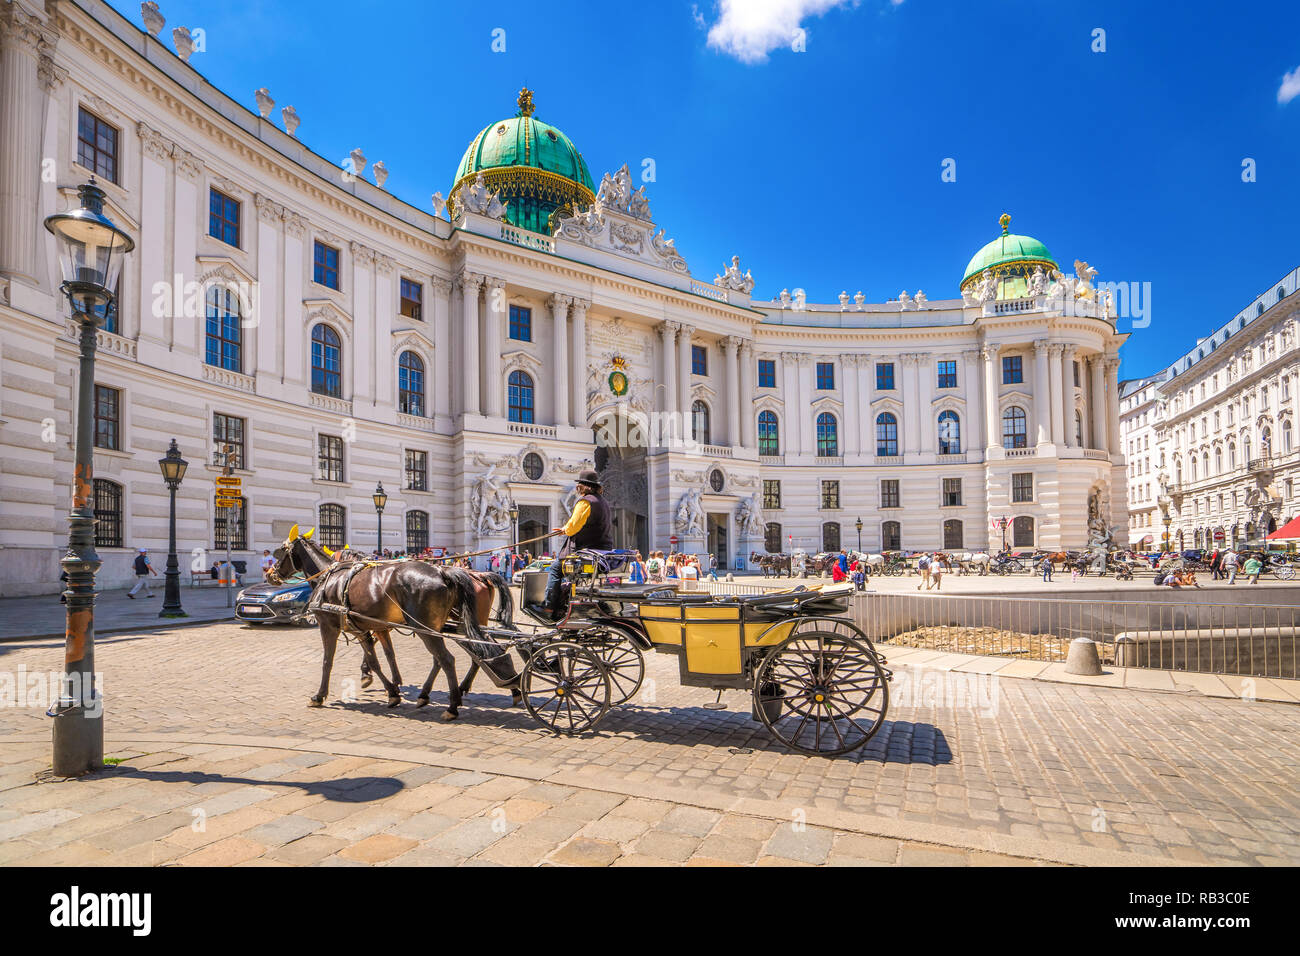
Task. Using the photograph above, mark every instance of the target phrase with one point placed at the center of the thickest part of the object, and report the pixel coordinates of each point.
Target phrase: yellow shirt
(576, 520)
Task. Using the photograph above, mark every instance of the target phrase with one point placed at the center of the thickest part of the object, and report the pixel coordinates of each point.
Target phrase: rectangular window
(830, 494)
(521, 323)
(885, 376)
(948, 374)
(767, 373)
(417, 470)
(1013, 370)
(412, 295)
(223, 218)
(826, 376)
(951, 492)
(889, 497)
(97, 145)
(108, 422)
(326, 259)
(329, 461)
(1076, 374)
(699, 360)
(1022, 486)
(237, 520)
(771, 493)
(228, 435)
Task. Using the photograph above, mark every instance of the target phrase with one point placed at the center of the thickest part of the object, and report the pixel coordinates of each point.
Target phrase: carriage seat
(632, 592)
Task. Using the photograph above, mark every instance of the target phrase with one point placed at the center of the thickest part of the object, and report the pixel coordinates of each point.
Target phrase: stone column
(185, 236)
(578, 366)
(803, 408)
(470, 284)
(862, 418)
(1114, 443)
(295, 325)
(748, 424)
(1099, 436)
(440, 294)
(363, 324)
(793, 423)
(493, 320)
(911, 405)
(1044, 404)
(684, 374)
(1067, 396)
(926, 379)
(974, 421)
(1052, 405)
(668, 354)
(852, 411)
(560, 354)
(21, 38)
(151, 244)
(730, 351)
(385, 362)
(992, 438)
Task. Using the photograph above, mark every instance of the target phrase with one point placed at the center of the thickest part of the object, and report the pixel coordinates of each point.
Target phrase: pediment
(412, 338)
(222, 270)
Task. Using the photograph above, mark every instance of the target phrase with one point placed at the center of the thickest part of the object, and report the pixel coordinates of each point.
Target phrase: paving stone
(693, 820)
(377, 849)
(614, 829)
(422, 826)
(667, 845)
(471, 837)
(225, 852)
(283, 830)
(584, 852)
(922, 854)
(310, 849)
(807, 845)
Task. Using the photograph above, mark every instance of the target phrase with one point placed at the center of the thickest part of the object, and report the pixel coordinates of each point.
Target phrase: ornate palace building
(474, 356)
(1211, 441)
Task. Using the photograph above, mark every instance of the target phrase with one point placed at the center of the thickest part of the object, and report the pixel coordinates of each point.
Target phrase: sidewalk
(29, 618)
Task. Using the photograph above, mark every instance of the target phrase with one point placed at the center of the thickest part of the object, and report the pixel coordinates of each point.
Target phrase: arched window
(1013, 427)
(326, 362)
(772, 538)
(1232, 455)
(331, 526)
(223, 347)
(886, 437)
(1191, 466)
(828, 440)
(891, 536)
(952, 535)
(700, 422)
(769, 434)
(949, 433)
(1022, 532)
(520, 393)
(410, 384)
(831, 536)
(108, 513)
(1286, 437)
(1205, 463)
(237, 524)
(417, 531)
(1218, 461)
(1078, 429)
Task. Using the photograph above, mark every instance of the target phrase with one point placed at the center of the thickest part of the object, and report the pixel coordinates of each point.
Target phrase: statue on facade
(1037, 281)
(749, 517)
(987, 288)
(904, 301)
(785, 298)
(800, 300)
(1084, 274)
(477, 198)
(1101, 540)
(616, 190)
(490, 504)
(733, 279)
(920, 299)
(689, 521)
(638, 204)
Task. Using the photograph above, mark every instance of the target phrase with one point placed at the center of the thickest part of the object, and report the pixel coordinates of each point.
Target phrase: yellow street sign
(229, 481)
(229, 502)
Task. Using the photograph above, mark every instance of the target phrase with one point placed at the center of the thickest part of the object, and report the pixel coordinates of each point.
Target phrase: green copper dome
(534, 167)
(1012, 259)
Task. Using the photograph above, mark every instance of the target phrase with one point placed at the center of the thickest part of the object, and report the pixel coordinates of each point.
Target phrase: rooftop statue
(478, 199)
(732, 278)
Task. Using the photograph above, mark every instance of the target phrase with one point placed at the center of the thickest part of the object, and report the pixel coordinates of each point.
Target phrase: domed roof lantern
(1011, 259)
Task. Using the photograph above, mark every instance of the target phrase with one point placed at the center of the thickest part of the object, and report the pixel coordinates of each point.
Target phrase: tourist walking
(923, 569)
(655, 567)
(637, 571)
(936, 574)
(143, 568)
(713, 567)
(1252, 567)
(1046, 568)
(1230, 565)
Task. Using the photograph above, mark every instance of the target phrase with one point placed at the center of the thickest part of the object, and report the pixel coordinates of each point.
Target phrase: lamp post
(858, 524)
(514, 538)
(380, 499)
(173, 468)
(1003, 522)
(91, 248)
(1167, 521)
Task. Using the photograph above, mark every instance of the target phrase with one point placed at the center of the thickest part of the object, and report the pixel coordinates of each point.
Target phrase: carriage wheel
(822, 692)
(565, 687)
(622, 660)
(1284, 572)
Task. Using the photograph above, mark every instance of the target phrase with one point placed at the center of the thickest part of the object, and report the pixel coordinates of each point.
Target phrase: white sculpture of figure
(1037, 281)
(970, 297)
(987, 289)
(490, 503)
(666, 247)
(844, 301)
(638, 204)
(439, 204)
(904, 301)
(615, 190)
(920, 299)
(264, 102)
(1057, 288)
(733, 279)
(800, 299)
(1085, 274)
(380, 171)
(690, 514)
(291, 119)
(785, 298)
(153, 20)
(478, 199)
(858, 300)
(749, 517)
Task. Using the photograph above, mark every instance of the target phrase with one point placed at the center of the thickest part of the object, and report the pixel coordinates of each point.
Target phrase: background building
(336, 337)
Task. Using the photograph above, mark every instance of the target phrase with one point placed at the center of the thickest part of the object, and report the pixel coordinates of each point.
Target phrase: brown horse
(402, 594)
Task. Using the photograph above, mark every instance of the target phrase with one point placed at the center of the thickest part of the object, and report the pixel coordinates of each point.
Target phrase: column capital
(909, 359)
(746, 347)
(361, 254)
(153, 143)
(732, 344)
(686, 331)
(268, 210)
(669, 329)
(989, 350)
(187, 164)
(384, 265)
(295, 226)
(580, 305)
(440, 285)
(1068, 350)
(470, 282)
(970, 355)
(560, 302)
(1112, 363)
(1041, 345)
(1055, 349)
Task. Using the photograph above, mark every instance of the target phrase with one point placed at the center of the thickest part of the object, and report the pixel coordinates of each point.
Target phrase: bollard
(1083, 659)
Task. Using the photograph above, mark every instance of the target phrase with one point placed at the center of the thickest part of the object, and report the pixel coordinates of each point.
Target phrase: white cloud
(750, 29)
(1289, 89)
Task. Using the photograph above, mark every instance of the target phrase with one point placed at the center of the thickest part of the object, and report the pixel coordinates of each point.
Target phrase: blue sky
(822, 168)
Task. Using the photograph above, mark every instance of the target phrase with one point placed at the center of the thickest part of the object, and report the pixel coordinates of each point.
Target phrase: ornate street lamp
(380, 499)
(514, 539)
(173, 468)
(91, 248)
(1167, 522)
(1003, 522)
(858, 524)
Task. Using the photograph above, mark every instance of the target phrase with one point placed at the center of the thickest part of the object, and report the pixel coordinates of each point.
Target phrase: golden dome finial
(1004, 220)
(525, 102)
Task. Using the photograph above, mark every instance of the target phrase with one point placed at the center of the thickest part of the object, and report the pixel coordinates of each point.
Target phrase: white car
(539, 564)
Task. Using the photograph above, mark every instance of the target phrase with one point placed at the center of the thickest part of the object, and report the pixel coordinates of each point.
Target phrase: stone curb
(1027, 848)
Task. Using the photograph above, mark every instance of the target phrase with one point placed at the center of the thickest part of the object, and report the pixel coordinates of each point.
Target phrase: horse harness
(345, 611)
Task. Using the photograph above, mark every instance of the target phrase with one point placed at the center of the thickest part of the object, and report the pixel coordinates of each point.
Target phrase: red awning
(1289, 530)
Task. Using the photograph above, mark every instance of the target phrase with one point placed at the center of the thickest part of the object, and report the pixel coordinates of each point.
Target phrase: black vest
(598, 532)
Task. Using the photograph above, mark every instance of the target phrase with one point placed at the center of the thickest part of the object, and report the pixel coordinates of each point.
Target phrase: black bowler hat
(589, 478)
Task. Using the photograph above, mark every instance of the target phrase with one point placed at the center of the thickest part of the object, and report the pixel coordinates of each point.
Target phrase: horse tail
(493, 656)
(507, 608)
(462, 582)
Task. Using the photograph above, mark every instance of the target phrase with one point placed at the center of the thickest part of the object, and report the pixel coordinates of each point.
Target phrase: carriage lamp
(90, 250)
(172, 466)
(380, 499)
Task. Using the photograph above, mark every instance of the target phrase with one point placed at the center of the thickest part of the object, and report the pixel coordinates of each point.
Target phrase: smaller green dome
(1006, 250)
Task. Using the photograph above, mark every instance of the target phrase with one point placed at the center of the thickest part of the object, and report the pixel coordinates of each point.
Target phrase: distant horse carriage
(773, 565)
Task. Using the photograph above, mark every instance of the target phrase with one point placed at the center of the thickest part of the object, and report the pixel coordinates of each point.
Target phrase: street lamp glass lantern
(173, 465)
(91, 247)
(514, 513)
(379, 497)
(858, 524)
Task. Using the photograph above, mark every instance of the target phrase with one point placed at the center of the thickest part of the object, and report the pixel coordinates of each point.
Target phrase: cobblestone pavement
(214, 715)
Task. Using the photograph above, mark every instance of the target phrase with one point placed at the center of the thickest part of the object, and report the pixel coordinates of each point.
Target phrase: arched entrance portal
(620, 460)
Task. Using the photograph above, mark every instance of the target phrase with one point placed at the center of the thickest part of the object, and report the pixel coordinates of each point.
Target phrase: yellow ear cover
(293, 533)
(327, 551)
(309, 532)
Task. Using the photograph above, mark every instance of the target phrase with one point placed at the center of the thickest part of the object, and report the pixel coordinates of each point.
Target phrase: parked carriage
(816, 681)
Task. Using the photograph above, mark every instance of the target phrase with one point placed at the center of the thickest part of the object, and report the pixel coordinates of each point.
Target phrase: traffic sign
(228, 481)
(672, 539)
(224, 502)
